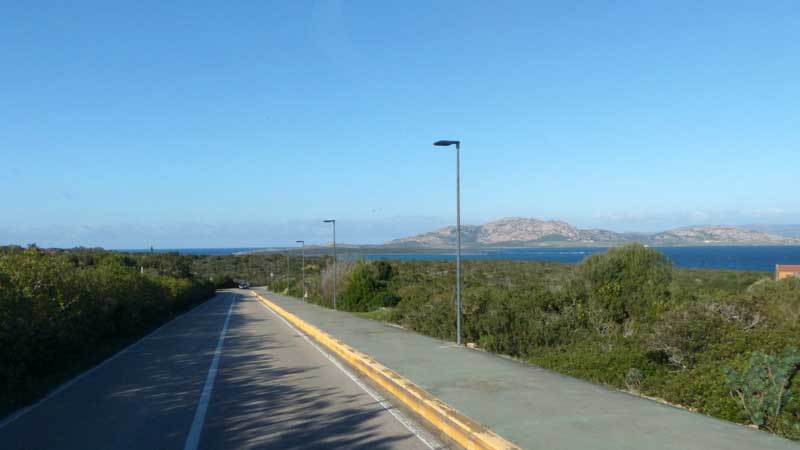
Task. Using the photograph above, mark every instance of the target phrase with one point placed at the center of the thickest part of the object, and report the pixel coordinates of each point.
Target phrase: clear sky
(197, 124)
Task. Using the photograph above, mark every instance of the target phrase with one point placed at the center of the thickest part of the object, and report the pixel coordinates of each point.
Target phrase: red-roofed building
(785, 270)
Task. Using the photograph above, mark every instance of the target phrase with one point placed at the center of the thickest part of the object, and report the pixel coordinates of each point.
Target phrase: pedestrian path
(531, 406)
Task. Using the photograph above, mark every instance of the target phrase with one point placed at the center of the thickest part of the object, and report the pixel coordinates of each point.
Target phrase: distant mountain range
(525, 232)
(792, 231)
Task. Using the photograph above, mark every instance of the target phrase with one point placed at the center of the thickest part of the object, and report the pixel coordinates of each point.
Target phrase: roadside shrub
(685, 332)
(368, 287)
(167, 264)
(603, 360)
(628, 281)
(343, 269)
(625, 318)
(762, 387)
(779, 300)
(426, 310)
(57, 308)
(701, 388)
(633, 380)
(223, 281)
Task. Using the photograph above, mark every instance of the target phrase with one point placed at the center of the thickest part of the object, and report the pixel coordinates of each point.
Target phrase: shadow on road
(274, 390)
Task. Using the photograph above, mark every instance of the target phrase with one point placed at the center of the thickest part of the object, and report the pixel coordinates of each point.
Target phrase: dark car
(244, 285)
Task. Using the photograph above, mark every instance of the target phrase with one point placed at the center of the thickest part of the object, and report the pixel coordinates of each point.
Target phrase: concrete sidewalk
(531, 406)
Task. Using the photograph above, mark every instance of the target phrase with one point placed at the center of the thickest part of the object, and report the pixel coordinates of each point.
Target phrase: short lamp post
(288, 269)
(333, 221)
(303, 264)
(458, 232)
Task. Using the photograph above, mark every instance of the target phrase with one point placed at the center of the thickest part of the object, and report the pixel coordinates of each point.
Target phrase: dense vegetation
(64, 310)
(723, 343)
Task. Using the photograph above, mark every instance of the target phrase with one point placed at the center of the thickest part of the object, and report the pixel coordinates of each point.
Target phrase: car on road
(244, 285)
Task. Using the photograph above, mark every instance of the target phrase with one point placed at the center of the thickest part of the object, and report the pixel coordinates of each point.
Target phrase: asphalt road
(227, 375)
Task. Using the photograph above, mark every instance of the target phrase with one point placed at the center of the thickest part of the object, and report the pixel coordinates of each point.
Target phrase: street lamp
(333, 221)
(303, 266)
(458, 232)
(272, 275)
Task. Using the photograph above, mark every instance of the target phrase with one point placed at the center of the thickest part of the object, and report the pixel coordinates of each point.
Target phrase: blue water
(191, 251)
(759, 258)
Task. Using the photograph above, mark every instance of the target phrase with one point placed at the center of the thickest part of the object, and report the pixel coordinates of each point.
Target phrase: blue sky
(180, 124)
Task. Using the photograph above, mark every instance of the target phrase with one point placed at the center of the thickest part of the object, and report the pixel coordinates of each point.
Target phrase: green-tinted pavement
(531, 406)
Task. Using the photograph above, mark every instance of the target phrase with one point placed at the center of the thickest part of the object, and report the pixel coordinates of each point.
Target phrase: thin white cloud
(199, 235)
(349, 230)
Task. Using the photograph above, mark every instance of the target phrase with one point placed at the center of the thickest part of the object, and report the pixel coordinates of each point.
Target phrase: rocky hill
(718, 235)
(785, 230)
(523, 232)
(510, 231)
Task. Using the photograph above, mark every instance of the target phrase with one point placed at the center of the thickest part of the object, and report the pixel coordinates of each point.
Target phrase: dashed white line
(193, 439)
(429, 441)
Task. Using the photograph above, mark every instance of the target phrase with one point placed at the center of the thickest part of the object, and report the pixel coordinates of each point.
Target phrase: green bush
(625, 318)
(367, 287)
(762, 387)
(779, 300)
(605, 360)
(684, 333)
(627, 281)
(58, 308)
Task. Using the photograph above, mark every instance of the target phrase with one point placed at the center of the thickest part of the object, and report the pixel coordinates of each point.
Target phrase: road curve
(195, 384)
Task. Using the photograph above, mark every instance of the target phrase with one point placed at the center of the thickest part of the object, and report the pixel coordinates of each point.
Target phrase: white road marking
(193, 439)
(78, 378)
(429, 441)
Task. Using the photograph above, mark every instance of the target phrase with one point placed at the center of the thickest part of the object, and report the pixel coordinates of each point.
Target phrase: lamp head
(446, 143)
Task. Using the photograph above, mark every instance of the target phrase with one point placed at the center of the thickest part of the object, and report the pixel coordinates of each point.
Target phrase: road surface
(230, 374)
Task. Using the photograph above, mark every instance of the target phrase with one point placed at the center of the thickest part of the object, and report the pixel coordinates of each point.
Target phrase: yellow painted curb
(467, 432)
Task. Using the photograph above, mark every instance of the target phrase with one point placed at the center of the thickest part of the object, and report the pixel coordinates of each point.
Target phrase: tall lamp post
(458, 232)
(333, 221)
(303, 264)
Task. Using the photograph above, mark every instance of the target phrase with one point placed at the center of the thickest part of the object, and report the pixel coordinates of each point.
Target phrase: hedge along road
(228, 374)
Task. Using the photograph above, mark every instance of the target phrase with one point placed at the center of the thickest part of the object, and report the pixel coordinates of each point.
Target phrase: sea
(191, 251)
(755, 258)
